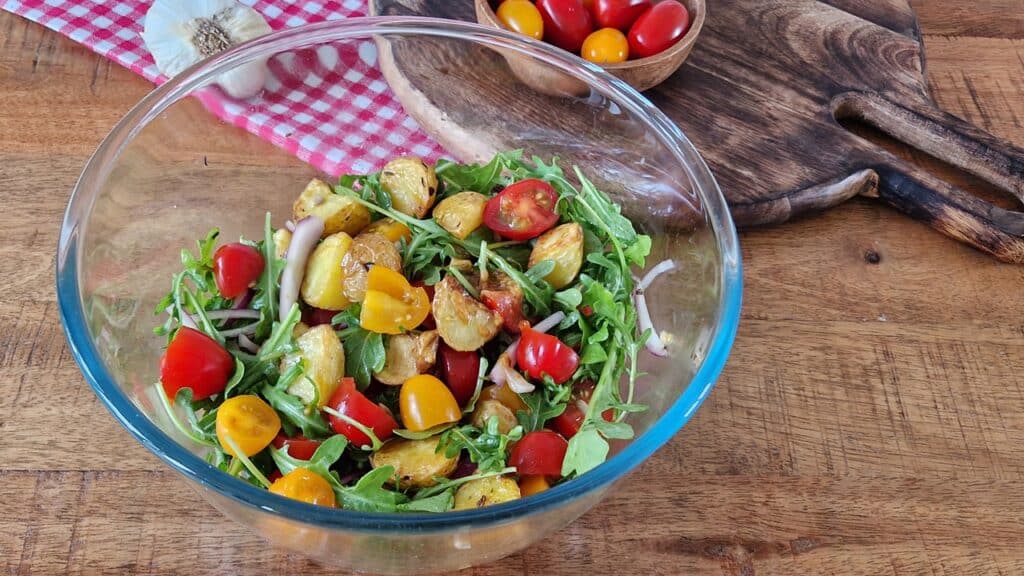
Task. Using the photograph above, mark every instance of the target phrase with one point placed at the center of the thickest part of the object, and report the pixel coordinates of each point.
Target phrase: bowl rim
(203, 474)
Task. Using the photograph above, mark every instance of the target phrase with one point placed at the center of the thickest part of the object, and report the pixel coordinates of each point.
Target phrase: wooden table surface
(870, 420)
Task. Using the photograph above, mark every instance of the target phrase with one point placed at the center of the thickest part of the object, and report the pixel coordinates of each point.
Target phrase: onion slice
(233, 314)
(242, 300)
(661, 268)
(307, 234)
(655, 345)
(244, 330)
(248, 345)
(504, 372)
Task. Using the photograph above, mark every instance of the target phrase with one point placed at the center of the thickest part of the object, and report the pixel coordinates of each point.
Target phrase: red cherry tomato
(566, 23)
(235, 267)
(541, 353)
(194, 360)
(539, 453)
(459, 371)
(524, 210)
(351, 402)
(275, 476)
(505, 303)
(568, 422)
(298, 447)
(317, 316)
(658, 29)
(618, 13)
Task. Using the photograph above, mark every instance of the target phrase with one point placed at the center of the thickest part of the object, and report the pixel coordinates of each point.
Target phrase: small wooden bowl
(642, 73)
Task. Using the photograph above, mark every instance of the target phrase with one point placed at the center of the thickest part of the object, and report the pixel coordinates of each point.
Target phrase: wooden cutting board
(760, 96)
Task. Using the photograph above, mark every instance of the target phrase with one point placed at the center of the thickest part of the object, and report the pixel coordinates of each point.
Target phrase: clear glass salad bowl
(170, 171)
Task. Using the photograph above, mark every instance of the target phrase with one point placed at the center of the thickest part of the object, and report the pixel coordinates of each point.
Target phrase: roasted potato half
(282, 239)
(322, 285)
(416, 462)
(463, 322)
(461, 214)
(564, 246)
(408, 355)
(324, 359)
(485, 492)
(340, 213)
(487, 409)
(412, 185)
(391, 229)
(501, 294)
(367, 249)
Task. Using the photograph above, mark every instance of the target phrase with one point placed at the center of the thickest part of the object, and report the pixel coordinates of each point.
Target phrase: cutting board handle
(922, 195)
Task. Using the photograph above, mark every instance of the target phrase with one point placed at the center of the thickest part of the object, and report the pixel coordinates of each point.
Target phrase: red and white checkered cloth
(330, 106)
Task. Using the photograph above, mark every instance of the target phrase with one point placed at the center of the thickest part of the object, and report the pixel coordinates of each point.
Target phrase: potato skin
(366, 249)
(486, 409)
(412, 185)
(485, 492)
(324, 357)
(324, 279)
(416, 462)
(282, 239)
(408, 355)
(340, 213)
(463, 323)
(562, 244)
(460, 214)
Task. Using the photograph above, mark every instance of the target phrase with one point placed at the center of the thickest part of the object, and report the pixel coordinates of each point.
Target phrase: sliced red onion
(655, 345)
(500, 373)
(550, 322)
(661, 268)
(186, 319)
(244, 330)
(289, 225)
(517, 383)
(304, 238)
(233, 314)
(242, 300)
(248, 345)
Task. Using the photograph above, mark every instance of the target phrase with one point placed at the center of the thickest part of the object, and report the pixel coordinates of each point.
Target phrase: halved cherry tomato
(426, 402)
(459, 371)
(506, 305)
(566, 23)
(539, 453)
(194, 360)
(530, 485)
(569, 421)
(507, 396)
(351, 402)
(317, 316)
(523, 210)
(275, 476)
(428, 322)
(298, 447)
(235, 267)
(658, 29)
(249, 422)
(606, 46)
(618, 14)
(392, 305)
(541, 353)
(302, 484)
(521, 16)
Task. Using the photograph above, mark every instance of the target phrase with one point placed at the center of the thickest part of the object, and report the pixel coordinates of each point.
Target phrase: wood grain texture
(870, 420)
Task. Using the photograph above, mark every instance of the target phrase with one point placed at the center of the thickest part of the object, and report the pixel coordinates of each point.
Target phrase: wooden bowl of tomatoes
(642, 42)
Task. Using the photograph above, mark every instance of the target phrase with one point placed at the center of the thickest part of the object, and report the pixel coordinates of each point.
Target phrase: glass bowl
(170, 171)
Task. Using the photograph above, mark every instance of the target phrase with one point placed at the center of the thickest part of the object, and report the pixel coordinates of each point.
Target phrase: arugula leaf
(540, 270)
(569, 299)
(480, 376)
(547, 401)
(369, 495)
(311, 422)
(587, 450)
(442, 502)
(475, 177)
(236, 378)
(487, 448)
(447, 484)
(320, 463)
(364, 350)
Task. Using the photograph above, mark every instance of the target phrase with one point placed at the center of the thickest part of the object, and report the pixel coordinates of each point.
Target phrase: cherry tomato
(658, 28)
(298, 447)
(606, 46)
(530, 485)
(235, 267)
(275, 476)
(392, 305)
(459, 371)
(566, 23)
(541, 353)
(507, 396)
(539, 453)
(426, 402)
(249, 422)
(523, 17)
(523, 210)
(568, 422)
(506, 305)
(316, 316)
(351, 402)
(302, 484)
(619, 14)
(194, 360)
(428, 323)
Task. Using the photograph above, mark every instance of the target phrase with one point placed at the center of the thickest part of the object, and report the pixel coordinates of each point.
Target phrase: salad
(421, 339)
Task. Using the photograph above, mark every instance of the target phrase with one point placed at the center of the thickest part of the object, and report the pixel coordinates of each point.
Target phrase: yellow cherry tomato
(506, 396)
(392, 305)
(426, 402)
(301, 484)
(523, 17)
(606, 46)
(530, 485)
(249, 422)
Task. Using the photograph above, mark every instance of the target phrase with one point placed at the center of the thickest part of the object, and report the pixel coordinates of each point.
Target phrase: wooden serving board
(760, 96)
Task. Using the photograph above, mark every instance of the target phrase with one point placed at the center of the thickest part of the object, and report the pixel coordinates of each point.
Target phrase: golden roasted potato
(416, 462)
(340, 213)
(322, 285)
(324, 361)
(391, 229)
(463, 322)
(486, 491)
(487, 409)
(503, 295)
(300, 329)
(412, 185)
(461, 214)
(282, 239)
(564, 246)
(367, 249)
(408, 355)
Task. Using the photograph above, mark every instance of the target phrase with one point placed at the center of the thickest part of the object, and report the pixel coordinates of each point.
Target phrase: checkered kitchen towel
(330, 107)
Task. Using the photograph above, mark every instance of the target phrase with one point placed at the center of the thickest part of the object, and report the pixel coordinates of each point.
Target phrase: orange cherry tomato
(301, 484)
(249, 422)
(606, 46)
(530, 485)
(523, 17)
(426, 402)
(510, 398)
(392, 305)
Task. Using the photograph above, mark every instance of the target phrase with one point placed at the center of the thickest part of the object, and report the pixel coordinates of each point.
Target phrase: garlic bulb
(179, 33)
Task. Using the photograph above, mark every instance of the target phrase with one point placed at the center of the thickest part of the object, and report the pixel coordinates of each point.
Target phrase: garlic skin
(179, 33)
